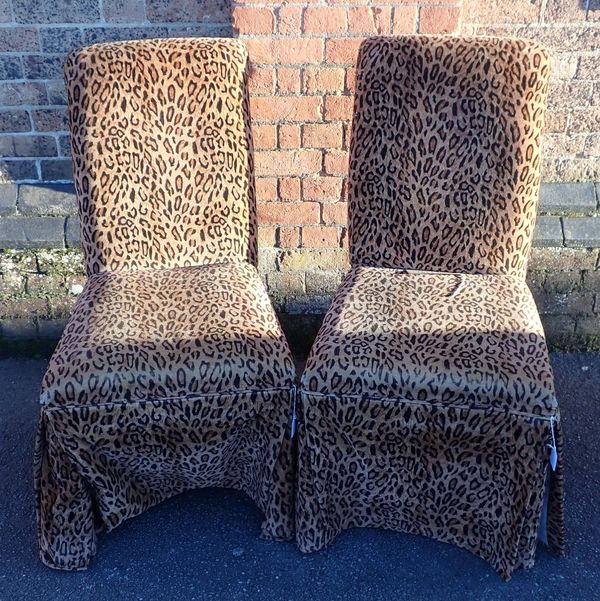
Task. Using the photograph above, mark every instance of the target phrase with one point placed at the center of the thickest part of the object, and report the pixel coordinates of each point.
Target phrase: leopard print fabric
(454, 339)
(162, 158)
(445, 153)
(168, 376)
(166, 333)
(427, 401)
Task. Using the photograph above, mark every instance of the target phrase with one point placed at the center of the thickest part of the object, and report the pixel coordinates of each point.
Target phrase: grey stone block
(18, 170)
(582, 231)
(591, 281)
(589, 326)
(573, 197)
(15, 93)
(57, 94)
(124, 11)
(211, 11)
(54, 170)
(64, 145)
(564, 304)
(535, 280)
(56, 11)
(558, 325)
(73, 232)
(60, 39)
(35, 146)
(54, 119)
(5, 11)
(32, 232)
(548, 232)
(93, 35)
(10, 67)
(285, 285)
(43, 66)
(322, 283)
(563, 282)
(18, 39)
(27, 146)
(46, 199)
(6, 146)
(563, 259)
(208, 30)
(8, 199)
(14, 121)
(12, 285)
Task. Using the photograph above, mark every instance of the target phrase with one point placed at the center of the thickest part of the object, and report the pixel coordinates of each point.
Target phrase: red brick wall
(302, 80)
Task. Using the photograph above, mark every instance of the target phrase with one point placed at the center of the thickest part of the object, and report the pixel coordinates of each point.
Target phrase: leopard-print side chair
(427, 403)
(173, 372)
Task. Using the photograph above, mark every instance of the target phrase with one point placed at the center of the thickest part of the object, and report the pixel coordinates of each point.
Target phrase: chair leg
(65, 519)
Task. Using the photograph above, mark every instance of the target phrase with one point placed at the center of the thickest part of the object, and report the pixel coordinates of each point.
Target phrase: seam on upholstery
(400, 400)
(184, 397)
(411, 271)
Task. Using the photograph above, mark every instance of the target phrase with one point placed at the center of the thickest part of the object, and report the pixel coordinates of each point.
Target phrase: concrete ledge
(39, 336)
(569, 197)
(582, 232)
(52, 200)
(30, 216)
(8, 199)
(32, 232)
(548, 232)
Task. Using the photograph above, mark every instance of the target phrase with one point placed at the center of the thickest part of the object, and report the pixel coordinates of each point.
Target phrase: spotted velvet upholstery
(445, 158)
(427, 404)
(172, 372)
(162, 161)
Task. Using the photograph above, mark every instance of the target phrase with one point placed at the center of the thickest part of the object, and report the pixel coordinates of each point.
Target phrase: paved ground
(204, 546)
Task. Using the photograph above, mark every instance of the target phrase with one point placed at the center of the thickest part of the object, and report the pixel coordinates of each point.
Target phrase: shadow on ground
(204, 545)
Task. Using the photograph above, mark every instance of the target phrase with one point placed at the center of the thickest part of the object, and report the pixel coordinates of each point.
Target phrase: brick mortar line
(84, 25)
(538, 25)
(314, 36)
(349, 4)
(101, 11)
(32, 107)
(542, 16)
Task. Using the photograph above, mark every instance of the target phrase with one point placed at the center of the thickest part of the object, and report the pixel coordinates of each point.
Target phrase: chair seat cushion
(169, 333)
(451, 339)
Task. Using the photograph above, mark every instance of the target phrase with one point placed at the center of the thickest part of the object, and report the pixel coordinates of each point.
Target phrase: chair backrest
(445, 153)
(162, 153)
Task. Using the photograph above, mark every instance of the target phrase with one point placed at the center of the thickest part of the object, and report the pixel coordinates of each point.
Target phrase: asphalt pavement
(204, 545)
